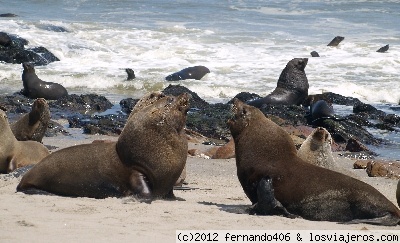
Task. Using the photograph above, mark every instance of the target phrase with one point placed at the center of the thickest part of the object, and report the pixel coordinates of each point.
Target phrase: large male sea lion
(34, 87)
(196, 72)
(292, 86)
(146, 161)
(314, 193)
(32, 126)
(14, 153)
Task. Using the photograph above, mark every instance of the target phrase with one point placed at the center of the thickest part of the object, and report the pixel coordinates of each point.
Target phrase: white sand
(211, 205)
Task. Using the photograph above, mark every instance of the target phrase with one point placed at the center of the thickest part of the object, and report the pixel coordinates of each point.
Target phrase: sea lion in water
(14, 153)
(196, 72)
(316, 149)
(146, 160)
(314, 54)
(311, 192)
(383, 49)
(336, 41)
(131, 74)
(32, 126)
(34, 87)
(292, 86)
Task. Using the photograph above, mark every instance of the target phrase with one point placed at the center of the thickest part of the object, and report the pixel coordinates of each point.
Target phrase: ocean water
(245, 44)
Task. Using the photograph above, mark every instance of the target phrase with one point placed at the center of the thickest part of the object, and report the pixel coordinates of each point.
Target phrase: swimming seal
(34, 87)
(196, 72)
(146, 161)
(131, 74)
(32, 126)
(383, 49)
(316, 149)
(15, 154)
(292, 86)
(336, 41)
(311, 192)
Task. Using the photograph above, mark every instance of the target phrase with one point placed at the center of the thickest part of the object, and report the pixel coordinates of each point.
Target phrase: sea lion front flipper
(139, 185)
(387, 220)
(267, 204)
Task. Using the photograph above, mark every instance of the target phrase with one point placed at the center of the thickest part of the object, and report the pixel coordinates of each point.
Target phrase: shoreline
(213, 199)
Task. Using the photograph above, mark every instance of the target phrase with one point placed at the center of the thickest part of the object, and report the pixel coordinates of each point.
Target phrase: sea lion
(8, 15)
(34, 87)
(32, 126)
(131, 74)
(146, 161)
(383, 49)
(320, 111)
(316, 149)
(314, 54)
(14, 153)
(267, 203)
(5, 39)
(398, 193)
(311, 192)
(292, 86)
(336, 41)
(196, 72)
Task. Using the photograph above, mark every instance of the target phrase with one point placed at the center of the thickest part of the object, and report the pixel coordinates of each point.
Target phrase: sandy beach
(212, 199)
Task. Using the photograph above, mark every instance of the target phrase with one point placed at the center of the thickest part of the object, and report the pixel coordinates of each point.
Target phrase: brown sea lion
(34, 87)
(398, 193)
(14, 153)
(292, 86)
(196, 72)
(316, 149)
(314, 193)
(32, 126)
(146, 161)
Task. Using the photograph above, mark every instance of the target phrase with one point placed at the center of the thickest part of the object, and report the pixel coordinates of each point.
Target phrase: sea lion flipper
(386, 220)
(140, 185)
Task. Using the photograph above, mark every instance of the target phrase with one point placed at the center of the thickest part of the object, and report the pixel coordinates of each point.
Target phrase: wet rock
(381, 168)
(128, 104)
(355, 146)
(15, 52)
(333, 98)
(54, 128)
(82, 103)
(111, 125)
(195, 101)
(361, 164)
(245, 96)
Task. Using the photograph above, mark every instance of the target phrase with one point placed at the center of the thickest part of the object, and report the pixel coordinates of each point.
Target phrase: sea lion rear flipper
(387, 220)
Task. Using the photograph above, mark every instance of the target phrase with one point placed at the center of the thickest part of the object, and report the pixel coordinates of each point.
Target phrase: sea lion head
(242, 114)
(320, 136)
(40, 111)
(299, 63)
(3, 120)
(146, 100)
(28, 67)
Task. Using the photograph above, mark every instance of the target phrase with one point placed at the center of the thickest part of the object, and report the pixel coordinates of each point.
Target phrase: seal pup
(32, 126)
(146, 161)
(311, 192)
(267, 203)
(15, 154)
(292, 86)
(196, 72)
(336, 41)
(34, 87)
(131, 74)
(383, 49)
(316, 149)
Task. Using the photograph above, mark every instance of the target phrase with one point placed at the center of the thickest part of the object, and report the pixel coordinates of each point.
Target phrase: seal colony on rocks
(34, 87)
(146, 161)
(32, 126)
(311, 192)
(196, 72)
(15, 154)
(292, 86)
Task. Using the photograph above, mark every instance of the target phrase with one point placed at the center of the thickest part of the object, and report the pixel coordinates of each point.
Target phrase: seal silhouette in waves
(32, 126)
(292, 86)
(311, 192)
(34, 87)
(196, 72)
(146, 161)
(15, 154)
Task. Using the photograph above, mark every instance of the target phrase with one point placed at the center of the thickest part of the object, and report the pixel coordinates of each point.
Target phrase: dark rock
(355, 146)
(333, 98)
(380, 168)
(54, 128)
(82, 103)
(195, 100)
(5, 40)
(105, 125)
(15, 52)
(128, 104)
(245, 96)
